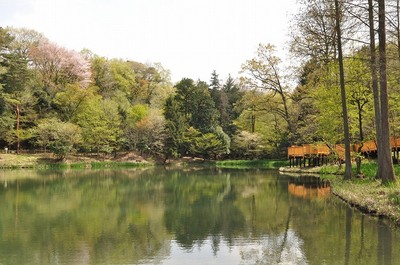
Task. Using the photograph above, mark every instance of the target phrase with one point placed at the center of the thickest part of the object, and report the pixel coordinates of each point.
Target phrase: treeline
(63, 101)
(348, 76)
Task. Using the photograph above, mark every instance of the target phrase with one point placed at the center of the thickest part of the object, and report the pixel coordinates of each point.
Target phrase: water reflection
(196, 216)
(309, 187)
(384, 244)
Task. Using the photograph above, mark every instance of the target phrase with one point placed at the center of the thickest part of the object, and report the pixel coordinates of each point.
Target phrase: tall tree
(58, 66)
(16, 92)
(386, 164)
(231, 94)
(374, 82)
(348, 171)
(263, 73)
(196, 104)
(175, 127)
(313, 33)
(203, 113)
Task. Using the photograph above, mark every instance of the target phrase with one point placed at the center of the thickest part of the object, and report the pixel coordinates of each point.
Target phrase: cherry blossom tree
(58, 66)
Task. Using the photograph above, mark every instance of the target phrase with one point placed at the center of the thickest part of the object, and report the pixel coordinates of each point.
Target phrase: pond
(183, 216)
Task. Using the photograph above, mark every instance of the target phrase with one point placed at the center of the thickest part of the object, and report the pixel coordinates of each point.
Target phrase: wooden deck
(316, 154)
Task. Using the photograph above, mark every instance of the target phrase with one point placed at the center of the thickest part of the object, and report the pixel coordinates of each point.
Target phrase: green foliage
(59, 137)
(122, 78)
(176, 125)
(68, 102)
(115, 103)
(209, 145)
(149, 134)
(189, 141)
(248, 145)
(191, 122)
(137, 113)
(266, 164)
(5, 40)
(230, 97)
(203, 114)
(100, 123)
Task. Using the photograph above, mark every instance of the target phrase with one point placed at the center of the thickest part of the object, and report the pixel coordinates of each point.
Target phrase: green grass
(394, 198)
(46, 161)
(369, 195)
(331, 169)
(370, 168)
(93, 165)
(268, 163)
(14, 161)
(107, 164)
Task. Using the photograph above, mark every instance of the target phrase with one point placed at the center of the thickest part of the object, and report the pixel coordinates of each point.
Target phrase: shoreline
(47, 161)
(364, 194)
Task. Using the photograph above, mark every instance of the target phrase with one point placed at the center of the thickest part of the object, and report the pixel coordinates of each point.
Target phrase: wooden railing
(308, 150)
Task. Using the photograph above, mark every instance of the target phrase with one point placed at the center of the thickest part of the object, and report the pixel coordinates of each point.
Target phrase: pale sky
(191, 38)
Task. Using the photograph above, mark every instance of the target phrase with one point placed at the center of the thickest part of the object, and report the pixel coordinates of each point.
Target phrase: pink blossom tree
(58, 66)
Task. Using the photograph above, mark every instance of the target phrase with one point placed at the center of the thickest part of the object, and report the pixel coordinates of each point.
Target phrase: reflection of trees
(349, 215)
(199, 205)
(336, 234)
(98, 217)
(131, 216)
(252, 205)
(384, 246)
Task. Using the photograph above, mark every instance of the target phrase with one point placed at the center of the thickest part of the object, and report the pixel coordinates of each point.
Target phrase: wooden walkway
(316, 154)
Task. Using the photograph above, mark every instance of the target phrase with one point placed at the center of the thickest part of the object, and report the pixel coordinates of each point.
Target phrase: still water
(183, 216)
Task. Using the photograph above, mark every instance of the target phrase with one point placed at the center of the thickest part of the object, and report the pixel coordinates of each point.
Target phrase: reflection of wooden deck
(308, 187)
(317, 152)
(309, 192)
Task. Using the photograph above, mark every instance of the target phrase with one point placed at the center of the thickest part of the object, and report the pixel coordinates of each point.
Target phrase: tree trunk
(386, 163)
(17, 129)
(398, 27)
(375, 88)
(360, 127)
(252, 122)
(348, 171)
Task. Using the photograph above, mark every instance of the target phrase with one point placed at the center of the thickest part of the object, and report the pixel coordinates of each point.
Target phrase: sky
(191, 38)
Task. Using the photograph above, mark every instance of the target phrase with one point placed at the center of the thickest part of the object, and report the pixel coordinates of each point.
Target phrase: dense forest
(64, 101)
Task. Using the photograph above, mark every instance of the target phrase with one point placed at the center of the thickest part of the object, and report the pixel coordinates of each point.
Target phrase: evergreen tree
(230, 97)
(175, 126)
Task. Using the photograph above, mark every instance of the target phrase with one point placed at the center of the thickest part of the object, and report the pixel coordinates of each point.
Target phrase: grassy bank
(366, 194)
(46, 161)
(266, 164)
(368, 169)
(369, 196)
(21, 161)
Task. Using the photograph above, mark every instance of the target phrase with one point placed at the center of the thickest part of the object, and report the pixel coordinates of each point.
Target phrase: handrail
(323, 150)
